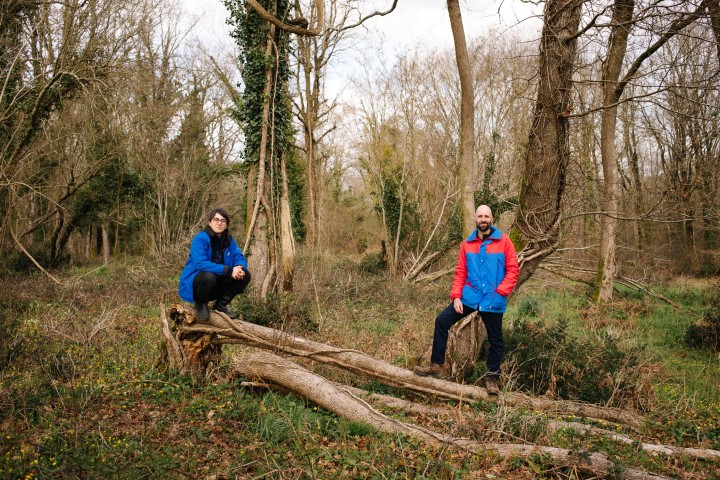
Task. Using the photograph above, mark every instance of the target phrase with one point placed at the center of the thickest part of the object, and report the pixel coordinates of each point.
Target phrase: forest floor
(83, 395)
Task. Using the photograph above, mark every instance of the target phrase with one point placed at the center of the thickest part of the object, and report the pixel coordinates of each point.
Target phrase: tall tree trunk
(258, 229)
(312, 186)
(537, 227)
(637, 184)
(287, 241)
(621, 23)
(613, 88)
(467, 117)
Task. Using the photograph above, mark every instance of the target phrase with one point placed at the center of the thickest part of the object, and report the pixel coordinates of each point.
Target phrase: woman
(216, 268)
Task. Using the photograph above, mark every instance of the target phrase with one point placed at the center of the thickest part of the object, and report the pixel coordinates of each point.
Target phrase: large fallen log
(266, 366)
(222, 330)
(472, 417)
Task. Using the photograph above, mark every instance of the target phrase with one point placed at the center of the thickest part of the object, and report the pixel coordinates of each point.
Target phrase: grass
(82, 395)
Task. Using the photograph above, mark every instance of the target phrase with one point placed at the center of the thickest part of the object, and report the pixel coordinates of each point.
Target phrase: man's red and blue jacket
(486, 272)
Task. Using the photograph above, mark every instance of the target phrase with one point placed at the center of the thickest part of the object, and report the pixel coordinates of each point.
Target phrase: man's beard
(486, 225)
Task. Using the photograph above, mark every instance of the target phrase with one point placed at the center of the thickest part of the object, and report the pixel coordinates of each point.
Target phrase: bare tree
(314, 54)
(613, 88)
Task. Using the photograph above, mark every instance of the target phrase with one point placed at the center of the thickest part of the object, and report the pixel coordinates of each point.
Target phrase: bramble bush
(705, 333)
(548, 359)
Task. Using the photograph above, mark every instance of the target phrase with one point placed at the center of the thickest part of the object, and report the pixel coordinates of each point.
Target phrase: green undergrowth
(631, 353)
(82, 394)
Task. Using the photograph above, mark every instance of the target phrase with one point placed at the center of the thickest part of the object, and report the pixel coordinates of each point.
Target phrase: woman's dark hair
(222, 213)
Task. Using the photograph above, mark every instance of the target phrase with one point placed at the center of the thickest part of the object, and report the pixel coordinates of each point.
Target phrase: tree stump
(463, 348)
(188, 352)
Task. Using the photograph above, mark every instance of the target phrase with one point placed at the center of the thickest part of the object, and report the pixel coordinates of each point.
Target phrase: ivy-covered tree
(265, 116)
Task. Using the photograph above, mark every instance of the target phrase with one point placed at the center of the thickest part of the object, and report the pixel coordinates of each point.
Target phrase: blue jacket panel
(486, 273)
(199, 260)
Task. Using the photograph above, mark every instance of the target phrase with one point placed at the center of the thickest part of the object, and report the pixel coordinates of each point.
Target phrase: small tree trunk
(464, 343)
(287, 242)
(105, 243)
(257, 232)
(621, 23)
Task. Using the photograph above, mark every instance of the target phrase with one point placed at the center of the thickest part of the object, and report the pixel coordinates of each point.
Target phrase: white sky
(422, 24)
(415, 25)
(426, 22)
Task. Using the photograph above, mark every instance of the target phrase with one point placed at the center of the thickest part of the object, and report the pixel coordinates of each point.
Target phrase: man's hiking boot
(222, 308)
(434, 370)
(491, 385)
(202, 311)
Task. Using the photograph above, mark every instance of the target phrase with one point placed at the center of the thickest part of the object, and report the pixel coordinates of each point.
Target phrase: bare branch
(286, 26)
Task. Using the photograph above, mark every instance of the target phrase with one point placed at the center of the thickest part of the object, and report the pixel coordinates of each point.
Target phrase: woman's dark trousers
(209, 286)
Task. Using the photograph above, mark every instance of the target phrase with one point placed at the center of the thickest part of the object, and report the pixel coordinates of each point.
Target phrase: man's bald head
(484, 209)
(483, 218)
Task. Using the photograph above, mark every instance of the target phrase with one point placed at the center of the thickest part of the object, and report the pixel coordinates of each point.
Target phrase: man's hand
(238, 273)
(458, 306)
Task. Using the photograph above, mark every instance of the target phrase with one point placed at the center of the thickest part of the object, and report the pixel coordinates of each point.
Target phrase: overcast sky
(421, 24)
(413, 22)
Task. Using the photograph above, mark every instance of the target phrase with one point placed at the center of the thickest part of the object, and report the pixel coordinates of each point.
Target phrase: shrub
(547, 359)
(288, 311)
(373, 263)
(528, 307)
(705, 333)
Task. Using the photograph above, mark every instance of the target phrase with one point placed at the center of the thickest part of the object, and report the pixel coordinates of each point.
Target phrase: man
(485, 275)
(216, 268)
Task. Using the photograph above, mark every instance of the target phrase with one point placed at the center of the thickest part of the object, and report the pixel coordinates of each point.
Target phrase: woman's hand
(238, 273)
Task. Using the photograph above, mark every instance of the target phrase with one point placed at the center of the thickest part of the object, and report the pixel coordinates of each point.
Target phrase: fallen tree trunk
(473, 418)
(270, 367)
(223, 330)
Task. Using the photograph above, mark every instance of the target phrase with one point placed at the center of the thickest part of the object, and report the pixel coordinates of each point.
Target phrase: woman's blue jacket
(200, 260)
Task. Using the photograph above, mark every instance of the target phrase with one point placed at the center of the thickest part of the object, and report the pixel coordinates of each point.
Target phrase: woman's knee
(205, 280)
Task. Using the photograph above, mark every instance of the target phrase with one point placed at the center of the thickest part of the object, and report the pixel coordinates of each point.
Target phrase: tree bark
(188, 352)
(467, 117)
(621, 24)
(536, 230)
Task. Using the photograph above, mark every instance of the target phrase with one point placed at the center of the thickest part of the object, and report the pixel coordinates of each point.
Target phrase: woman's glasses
(220, 221)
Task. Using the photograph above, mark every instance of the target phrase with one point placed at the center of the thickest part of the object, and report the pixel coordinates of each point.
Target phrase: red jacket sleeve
(511, 268)
(460, 274)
